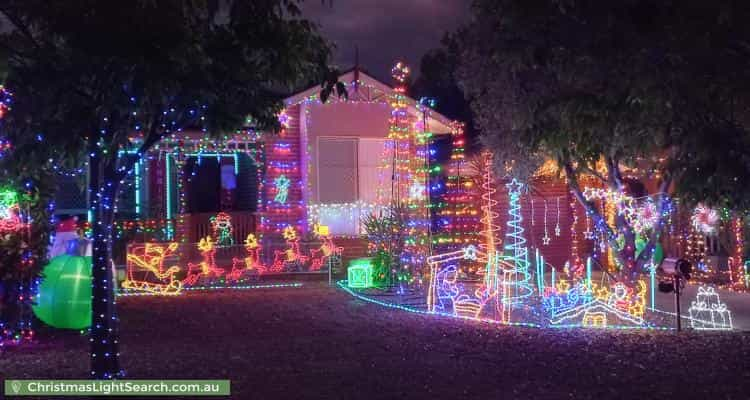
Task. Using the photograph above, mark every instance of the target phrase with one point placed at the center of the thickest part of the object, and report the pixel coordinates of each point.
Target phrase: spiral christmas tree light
(490, 229)
(516, 276)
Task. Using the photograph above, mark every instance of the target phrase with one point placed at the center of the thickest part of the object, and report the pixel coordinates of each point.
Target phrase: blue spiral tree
(516, 282)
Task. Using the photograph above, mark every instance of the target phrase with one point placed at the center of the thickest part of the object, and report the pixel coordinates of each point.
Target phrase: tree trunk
(104, 335)
(632, 263)
(627, 254)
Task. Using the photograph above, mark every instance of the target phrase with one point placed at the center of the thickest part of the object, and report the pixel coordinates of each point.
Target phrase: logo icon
(16, 386)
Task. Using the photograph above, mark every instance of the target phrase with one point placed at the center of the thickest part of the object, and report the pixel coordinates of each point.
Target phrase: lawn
(318, 342)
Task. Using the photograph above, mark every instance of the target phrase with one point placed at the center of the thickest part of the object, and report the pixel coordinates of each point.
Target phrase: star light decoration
(289, 234)
(641, 214)
(546, 239)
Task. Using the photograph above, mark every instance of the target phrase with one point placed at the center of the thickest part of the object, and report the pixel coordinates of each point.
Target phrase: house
(331, 164)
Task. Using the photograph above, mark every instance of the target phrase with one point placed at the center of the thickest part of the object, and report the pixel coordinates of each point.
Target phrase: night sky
(385, 30)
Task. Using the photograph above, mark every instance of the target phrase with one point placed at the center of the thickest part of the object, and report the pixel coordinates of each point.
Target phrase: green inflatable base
(64, 298)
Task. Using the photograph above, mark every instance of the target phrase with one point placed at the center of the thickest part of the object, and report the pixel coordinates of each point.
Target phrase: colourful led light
(707, 312)
(360, 273)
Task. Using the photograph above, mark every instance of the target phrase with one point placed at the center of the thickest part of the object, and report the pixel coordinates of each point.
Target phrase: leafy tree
(653, 88)
(23, 251)
(437, 80)
(385, 230)
(91, 75)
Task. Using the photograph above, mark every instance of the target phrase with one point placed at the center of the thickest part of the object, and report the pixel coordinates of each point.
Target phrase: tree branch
(613, 171)
(22, 28)
(593, 172)
(578, 193)
(645, 254)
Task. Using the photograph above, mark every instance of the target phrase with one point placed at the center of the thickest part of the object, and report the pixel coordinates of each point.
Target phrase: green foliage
(644, 84)
(437, 80)
(381, 271)
(90, 76)
(649, 88)
(386, 233)
(24, 252)
(74, 63)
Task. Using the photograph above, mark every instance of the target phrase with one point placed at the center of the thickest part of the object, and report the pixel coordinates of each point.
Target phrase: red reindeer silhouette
(207, 267)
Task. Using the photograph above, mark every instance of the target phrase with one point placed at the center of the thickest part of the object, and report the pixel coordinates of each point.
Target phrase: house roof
(369, 88)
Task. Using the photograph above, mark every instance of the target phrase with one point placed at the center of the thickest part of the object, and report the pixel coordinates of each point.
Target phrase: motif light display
(10, 219)
(221, 225)
(506, 281)
(405, 162)
(282, 199)
(506, 296)
(516, 280)
(641, 214)
(707, 312)
(705, 219)
(252, 261)
(148, 274)
(490, 226)
(282, 189)
(459, 217)
(360, 273)
(443, 275)
(145, 269)
(448, 295)
(594, 305)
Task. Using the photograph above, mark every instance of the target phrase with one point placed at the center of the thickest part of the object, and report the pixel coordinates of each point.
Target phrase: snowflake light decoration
(705, 219)
(645, 217)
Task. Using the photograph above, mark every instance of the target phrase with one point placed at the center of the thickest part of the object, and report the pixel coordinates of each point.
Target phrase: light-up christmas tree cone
(516, 276)
(488, 291)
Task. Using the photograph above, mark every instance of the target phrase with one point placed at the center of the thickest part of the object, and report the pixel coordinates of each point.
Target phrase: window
(349, 170)
(337, 170)
(370, 170)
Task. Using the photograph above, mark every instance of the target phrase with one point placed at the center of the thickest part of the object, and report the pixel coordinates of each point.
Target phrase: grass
(317, 342)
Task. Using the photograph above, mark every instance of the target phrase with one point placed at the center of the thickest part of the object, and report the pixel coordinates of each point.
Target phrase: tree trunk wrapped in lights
(92, 87)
